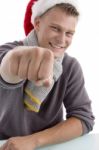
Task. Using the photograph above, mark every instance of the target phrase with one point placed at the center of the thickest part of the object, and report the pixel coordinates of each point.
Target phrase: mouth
(55, 46)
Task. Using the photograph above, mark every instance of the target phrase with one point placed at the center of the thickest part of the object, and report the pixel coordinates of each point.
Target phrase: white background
(85, 45)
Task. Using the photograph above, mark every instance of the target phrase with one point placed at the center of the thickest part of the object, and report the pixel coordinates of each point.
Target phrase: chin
(57, 55)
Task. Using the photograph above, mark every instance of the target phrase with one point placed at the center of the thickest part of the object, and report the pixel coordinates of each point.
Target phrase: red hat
(34, 9)
(28, 26)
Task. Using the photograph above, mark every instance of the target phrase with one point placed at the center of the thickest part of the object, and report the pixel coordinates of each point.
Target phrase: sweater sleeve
(3, 50)
(76, 99)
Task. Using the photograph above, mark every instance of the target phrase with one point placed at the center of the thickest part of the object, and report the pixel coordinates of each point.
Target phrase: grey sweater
(69, 90)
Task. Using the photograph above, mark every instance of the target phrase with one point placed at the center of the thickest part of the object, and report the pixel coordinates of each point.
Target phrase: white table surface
(86, 142)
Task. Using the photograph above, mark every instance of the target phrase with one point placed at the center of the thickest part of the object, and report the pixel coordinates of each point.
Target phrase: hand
(19, 143)
(32, 63)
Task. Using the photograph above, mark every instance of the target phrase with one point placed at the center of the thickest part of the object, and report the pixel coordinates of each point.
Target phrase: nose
(61, 39)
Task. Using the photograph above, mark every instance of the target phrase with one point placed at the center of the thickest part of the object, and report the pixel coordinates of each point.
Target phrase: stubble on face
(55, 30)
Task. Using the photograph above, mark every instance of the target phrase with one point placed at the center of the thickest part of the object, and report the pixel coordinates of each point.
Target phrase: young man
(38, 77)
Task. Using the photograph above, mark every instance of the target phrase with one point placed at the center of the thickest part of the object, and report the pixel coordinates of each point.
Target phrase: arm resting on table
(64, 131)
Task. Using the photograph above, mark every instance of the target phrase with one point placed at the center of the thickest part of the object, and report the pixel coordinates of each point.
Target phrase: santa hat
(38, 7)
(28, 26)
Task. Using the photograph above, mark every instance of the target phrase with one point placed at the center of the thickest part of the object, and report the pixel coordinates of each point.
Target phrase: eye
(55, 28)
(69, 34)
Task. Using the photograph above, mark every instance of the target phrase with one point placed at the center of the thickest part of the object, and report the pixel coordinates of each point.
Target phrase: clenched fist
(27, 62)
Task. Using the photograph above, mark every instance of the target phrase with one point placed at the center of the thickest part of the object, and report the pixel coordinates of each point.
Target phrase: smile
(55, 46)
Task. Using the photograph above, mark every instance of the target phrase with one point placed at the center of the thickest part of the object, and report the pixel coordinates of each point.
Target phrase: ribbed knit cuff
(35, 95)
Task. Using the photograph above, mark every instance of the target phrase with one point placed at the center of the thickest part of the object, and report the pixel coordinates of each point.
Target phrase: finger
(23, 67)
(43, 83)
(46, 67)
(35, 64)
(47, 82)
(14, 64)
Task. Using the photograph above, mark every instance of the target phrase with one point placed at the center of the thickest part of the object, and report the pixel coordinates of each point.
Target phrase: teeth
(55, 46)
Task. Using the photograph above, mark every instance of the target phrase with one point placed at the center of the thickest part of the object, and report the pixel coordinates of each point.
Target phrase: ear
(37, 23)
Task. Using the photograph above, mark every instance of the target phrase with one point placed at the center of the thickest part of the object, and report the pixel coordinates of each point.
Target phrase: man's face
(55, 30)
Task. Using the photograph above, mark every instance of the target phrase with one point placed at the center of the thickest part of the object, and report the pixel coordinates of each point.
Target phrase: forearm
(62, 132)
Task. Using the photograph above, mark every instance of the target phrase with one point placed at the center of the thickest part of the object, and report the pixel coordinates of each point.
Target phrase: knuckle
(10, 141)
(37, 52)
(48, 54)
(11, 55)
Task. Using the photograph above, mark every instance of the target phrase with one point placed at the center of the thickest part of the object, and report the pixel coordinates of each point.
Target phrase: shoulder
(71, 66)
(11, 44)
(70, 61)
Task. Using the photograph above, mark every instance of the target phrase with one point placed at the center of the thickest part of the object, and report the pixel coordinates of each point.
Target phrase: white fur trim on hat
(41, 6)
